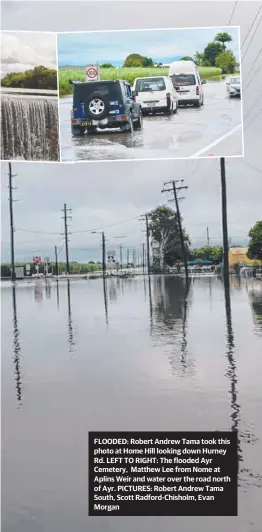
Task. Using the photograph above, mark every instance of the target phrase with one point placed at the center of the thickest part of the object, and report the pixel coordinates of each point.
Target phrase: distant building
(238, 255)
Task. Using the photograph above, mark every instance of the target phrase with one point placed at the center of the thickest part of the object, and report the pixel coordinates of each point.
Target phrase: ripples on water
(29, 129)
(136, 354)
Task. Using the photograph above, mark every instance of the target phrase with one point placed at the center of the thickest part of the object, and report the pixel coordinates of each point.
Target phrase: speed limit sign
(92, 73)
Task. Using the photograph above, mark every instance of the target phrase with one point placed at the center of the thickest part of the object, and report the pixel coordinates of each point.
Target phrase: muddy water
(180, 135)
(135, 356)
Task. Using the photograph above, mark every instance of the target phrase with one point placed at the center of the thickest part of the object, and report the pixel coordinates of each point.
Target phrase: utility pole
(224, 222)
(208, 239)
(175, 189)
(11, 201)
(103, 254)
(121, 256)
(127, 257)
(66, 218)
(56, 261)
(134, 257)
(145, 217)
(143, 259)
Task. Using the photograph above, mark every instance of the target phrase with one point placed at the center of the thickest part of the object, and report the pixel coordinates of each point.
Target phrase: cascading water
(29, 129)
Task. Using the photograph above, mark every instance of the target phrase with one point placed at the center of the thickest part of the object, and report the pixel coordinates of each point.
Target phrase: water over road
(137, 356)
(214, 129)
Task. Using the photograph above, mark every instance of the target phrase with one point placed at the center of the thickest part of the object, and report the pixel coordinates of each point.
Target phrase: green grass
(128, 74)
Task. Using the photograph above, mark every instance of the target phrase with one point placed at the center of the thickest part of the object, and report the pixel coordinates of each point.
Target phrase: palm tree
(223, 38)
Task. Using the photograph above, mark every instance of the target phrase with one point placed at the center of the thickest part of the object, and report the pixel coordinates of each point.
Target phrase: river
(130, 355)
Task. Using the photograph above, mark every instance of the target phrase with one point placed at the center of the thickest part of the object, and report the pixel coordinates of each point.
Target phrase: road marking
(203, 150)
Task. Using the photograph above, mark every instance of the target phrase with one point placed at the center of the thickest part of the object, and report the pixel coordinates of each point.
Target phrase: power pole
(224, 222)
(176, 189)
(147, 244)
(103, 254)
(56, 261)
(11, 201)
(208, 239)
(143, 260)
(127, 257)
(66, 218)
(134, 257)
(121, 256)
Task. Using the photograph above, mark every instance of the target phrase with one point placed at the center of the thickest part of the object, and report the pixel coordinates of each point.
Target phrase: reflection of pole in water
(184, 324)
(231, 373)
(16, 348)
(150, 302)
(47, 289)
(38, 291)
(70, 324)
(105, 299)
(210, 292)
(57, 293)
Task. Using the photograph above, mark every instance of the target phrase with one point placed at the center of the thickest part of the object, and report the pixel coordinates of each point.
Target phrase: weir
(29, 129)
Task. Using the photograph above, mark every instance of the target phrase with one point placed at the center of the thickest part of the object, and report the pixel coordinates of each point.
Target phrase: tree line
(215, 54)
(38, 78)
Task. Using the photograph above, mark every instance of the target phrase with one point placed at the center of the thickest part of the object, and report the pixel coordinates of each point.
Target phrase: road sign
(92, 73)
(37, 260)
(111, 257)
(19, 272)
(28, 269)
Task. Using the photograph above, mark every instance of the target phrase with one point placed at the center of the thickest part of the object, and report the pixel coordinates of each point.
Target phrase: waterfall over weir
(29, 129)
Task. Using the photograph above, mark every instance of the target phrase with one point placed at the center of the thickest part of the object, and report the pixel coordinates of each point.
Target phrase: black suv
(103, 105)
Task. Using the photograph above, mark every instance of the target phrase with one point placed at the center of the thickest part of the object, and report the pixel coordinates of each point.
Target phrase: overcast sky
(162, 45)
(24, 51)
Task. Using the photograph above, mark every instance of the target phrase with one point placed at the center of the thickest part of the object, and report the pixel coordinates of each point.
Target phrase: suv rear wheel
(97, 107)
(138, 124)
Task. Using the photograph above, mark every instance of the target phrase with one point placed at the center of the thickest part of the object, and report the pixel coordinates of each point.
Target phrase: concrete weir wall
(29, 125)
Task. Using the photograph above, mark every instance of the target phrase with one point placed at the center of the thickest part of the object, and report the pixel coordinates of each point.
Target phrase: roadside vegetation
(38, 78)
(127, 73)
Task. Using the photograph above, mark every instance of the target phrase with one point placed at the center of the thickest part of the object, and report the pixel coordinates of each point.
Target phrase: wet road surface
(215, 128)
(139, 356)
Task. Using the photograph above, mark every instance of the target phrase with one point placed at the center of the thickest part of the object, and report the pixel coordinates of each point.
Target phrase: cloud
(23, 51)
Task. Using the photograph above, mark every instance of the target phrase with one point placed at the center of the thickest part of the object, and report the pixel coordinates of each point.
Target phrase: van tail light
(75, 109)
(197, 90)
(168, 98)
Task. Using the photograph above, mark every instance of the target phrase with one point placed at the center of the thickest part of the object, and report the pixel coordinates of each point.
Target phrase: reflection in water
(47, 289)
(105, 298)
(38, 291)
(70, 324)
(57, 293)
(255, 297)
(150, 303)
(112, 290)
(231, 372)
(16, 349)
(171, 295)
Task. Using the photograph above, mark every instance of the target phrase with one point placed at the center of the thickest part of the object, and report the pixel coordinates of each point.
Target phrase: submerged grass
(128, 74)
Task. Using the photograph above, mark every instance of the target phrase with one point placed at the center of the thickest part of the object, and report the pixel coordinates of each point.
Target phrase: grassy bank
(129, 74)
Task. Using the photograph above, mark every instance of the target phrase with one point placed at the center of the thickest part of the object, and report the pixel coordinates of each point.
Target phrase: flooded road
(131, 355)
(214, 129)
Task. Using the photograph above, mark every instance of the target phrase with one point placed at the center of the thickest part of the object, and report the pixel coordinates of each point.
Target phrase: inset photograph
(150, 94)
(29, 97)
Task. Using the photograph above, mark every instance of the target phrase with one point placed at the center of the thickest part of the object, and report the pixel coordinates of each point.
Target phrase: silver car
(233, 87)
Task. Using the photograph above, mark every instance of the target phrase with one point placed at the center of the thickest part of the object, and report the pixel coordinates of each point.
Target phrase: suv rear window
(183, 79)
(83, 91)
(150, 84)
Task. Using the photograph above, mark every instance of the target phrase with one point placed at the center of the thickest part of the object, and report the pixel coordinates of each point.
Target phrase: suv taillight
(168, 98)
(75, 109)
(197, 90)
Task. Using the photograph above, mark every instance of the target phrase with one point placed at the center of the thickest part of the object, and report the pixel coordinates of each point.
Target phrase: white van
(187, 82)
(156, 95)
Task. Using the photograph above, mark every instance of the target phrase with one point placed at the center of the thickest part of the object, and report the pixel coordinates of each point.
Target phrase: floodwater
(191, 132)
(127, 355)
(29, 129)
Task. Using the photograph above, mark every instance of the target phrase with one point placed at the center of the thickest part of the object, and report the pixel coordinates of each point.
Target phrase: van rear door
(151, 92)
(185, 85)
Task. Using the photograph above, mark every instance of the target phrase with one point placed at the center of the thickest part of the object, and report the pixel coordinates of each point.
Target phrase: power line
(251, 40)
(251, 68)
(254, 20)
(252, 77)
(232, 13)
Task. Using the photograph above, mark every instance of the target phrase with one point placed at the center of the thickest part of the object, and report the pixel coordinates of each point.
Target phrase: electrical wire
(252, 77)
(251, 40)
(232, 13)
(254, 20)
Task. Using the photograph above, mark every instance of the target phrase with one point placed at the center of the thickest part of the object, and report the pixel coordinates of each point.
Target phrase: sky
(161, 45)
(24, 51)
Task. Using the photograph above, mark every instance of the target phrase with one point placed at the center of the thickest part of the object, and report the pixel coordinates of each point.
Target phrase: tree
(137, 60)
(227, 62)
(38, 78)
(164, 230)
(187, 58)
(199, 58)
(223, 38)
(211, 51)
(212, 253)
(255, 242)
(107, 65)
